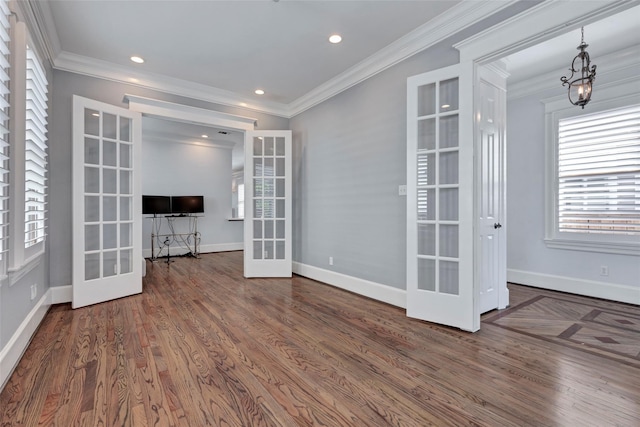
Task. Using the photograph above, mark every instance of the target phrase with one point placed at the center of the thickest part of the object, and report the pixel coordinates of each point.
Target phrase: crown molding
(535, 25)
(619, 64)
(79, 64)
(39, 23)
(445, 25)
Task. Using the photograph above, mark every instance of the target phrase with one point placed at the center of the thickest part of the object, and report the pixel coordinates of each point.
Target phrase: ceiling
(282, 47)
(612, 34)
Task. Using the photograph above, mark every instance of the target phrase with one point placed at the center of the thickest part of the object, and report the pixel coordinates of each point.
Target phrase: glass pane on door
(437, 170)
(108, 203)
(268, 197)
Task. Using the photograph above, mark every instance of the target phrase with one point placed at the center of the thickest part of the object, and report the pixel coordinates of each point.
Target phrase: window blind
(4, 127)
(599, 172)
(36, 151)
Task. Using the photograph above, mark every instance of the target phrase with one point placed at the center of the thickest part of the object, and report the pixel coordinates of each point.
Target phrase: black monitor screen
(187, 204)
(152, 205)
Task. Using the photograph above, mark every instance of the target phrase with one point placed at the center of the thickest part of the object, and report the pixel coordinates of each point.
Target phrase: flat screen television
(156, 205)
(187, 204)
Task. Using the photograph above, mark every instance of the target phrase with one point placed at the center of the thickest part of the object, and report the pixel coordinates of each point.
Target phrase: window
(4, 131)
(595, 157)
(35, 151)
(599, 172)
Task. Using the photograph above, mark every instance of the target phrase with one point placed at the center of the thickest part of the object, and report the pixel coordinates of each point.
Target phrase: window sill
(591, 246)
(15, 274)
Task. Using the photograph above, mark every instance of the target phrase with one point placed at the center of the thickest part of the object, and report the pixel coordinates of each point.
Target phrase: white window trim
(607, 97)
(5, 150)
(21, 260)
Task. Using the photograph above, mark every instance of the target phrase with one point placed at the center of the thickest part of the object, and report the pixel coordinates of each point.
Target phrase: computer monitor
(187, 204)
(156, 205)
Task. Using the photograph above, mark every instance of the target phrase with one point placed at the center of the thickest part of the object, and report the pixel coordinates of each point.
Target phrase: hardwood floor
(203, 346)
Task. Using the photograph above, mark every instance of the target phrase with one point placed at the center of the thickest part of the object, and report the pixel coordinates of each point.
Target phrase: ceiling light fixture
(335, 38)
(204, 135)
(259, 92)
(137, 59)
(580, 88)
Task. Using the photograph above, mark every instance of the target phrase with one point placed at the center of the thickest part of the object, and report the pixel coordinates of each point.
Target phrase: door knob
(497, 225)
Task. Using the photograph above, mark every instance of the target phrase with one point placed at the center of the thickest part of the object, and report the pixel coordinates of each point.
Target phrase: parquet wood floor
(204, 346)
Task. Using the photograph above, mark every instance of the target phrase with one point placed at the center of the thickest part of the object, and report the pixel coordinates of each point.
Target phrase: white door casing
(106, 198)
(440, 190)
(267, 220)
(490, 103)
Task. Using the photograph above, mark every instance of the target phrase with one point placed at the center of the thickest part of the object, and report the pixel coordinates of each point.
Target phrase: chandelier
(580, 86)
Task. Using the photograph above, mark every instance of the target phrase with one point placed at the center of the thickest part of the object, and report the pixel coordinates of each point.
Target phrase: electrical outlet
(604, 270)
(330, 260)
(402, 190)
(34, 291)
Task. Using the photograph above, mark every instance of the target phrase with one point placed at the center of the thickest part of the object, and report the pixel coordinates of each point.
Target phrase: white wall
(178, 169)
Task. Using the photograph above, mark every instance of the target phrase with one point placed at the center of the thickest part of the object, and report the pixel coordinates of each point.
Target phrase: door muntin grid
(437, 187)
(269, 198)
(108, 195)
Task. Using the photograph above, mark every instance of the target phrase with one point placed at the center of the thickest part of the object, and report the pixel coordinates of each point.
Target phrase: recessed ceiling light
(137, 59)
(259, 92)
(335, 38)
(204, 135)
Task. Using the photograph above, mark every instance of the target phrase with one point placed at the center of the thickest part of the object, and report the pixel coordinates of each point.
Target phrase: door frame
(150, 107)
(540, 23)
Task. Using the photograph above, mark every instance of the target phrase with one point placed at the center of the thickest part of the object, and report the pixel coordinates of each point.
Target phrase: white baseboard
(373, 290)
(204, 249)
(61, 294)
(12, 352)
(590, 288)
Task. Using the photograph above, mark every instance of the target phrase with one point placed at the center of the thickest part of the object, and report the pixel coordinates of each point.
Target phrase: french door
(107, 249)
(440, 240)
(267, 219)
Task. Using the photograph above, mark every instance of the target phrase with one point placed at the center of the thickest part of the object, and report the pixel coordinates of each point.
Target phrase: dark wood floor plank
(204, 346)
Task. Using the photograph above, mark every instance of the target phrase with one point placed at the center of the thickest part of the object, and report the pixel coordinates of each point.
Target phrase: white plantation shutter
(36, 151)
(4, 127)
(599, 172)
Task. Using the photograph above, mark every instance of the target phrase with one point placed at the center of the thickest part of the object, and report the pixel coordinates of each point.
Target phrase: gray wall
(16, 302)
(349, 158)
(65, 85)
(526, 249)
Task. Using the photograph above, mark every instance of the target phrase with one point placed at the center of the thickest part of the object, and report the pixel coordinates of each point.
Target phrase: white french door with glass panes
(267, 217)
(107, 235)
(440, 279)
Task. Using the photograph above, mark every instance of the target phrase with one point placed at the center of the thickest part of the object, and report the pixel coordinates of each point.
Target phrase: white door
(440, 250)
(267, 217)
(490, 190)
(107, 249)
